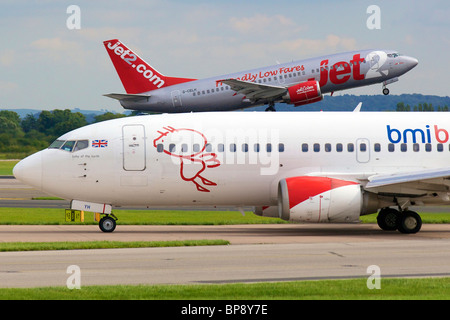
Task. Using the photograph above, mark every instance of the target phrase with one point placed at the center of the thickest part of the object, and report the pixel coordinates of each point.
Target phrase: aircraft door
(176, 98)
(133, 147)
(362, 150)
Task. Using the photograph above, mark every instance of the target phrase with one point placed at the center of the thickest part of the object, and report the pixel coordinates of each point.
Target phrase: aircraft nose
(29, 170)
(411, 62)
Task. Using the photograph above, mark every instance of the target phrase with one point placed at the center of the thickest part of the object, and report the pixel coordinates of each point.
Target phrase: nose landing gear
(405, 221)
(108, 223)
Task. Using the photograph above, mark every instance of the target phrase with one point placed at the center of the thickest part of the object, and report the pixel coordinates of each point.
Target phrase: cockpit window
(70, 145)
(56, 144)
(81, 144)
(393, 55)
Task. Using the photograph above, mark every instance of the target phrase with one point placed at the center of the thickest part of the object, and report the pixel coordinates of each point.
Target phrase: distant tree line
(20, 137)
(420, 107)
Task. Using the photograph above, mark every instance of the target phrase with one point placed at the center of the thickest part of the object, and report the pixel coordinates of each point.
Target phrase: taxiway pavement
(257, 253)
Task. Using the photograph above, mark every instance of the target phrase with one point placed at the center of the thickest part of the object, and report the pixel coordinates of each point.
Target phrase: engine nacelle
(319, 199)
(304, 93)
(271, 211)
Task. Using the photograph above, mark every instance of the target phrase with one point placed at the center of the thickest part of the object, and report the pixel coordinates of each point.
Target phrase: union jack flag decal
(99, 143)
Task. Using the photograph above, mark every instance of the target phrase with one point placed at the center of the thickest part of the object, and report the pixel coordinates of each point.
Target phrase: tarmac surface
(257, 252)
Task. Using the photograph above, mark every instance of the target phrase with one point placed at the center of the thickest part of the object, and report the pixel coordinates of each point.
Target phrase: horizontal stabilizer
(128, 97)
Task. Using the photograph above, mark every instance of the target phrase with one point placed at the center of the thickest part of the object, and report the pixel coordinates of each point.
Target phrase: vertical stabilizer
(137, 76)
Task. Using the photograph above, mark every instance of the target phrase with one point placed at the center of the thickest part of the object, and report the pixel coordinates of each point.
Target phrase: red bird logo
(193, 162)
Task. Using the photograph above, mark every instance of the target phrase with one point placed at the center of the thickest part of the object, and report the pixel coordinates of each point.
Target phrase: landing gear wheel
(385, 91)
(271, 107)
(410, 222)
(388, 219)
(107, 224)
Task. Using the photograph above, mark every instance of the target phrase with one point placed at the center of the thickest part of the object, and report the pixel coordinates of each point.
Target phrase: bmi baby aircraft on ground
(298, 82)
(305, 167)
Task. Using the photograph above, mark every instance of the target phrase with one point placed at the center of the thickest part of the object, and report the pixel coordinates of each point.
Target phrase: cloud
(262, 23)
(8, 87)
(7, 58)
(328, 45)
(59, 50)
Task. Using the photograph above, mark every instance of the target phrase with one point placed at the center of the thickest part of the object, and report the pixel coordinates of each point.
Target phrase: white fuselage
(231, 159)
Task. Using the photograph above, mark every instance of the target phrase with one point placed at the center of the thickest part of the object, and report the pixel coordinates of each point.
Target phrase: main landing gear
(271, 106)
(404, 221)
(108, 223)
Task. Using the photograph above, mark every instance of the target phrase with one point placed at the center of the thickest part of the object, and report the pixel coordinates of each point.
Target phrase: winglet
(358, 107)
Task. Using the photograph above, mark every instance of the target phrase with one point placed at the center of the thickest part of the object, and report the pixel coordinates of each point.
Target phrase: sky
(46, 64)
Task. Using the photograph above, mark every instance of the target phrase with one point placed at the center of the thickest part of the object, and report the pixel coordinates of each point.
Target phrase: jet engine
(303, 93)
(319, 199)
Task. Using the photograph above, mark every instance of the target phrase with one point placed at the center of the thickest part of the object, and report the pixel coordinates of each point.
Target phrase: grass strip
(354, 289)
(51, 216)
(6, 167)
(36, 246)
(45, 216)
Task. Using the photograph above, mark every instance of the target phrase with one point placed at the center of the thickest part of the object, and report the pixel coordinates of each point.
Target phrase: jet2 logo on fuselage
(193, 162)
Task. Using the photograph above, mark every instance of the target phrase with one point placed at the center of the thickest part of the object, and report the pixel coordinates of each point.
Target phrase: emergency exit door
(133, 147)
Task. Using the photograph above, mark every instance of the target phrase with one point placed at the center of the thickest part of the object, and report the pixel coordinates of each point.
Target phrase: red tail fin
(137, 76)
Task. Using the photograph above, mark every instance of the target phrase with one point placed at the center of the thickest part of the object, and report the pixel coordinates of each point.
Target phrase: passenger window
(440, 147)
(68, 146)
(363, 147)
(196, 147)
(256, 147)
(350, 147)
(245, 147)
(233, 147)
(339, 147)
(160, 148)
(172, 147)
(404, 147)
(305, 147)
(416, 147)
(377, 147)
(269, 147)
(281, 147)
(220, 147)
(316, 147)
(391, 147)
(208, 147)
(428, 147)
(327, 147)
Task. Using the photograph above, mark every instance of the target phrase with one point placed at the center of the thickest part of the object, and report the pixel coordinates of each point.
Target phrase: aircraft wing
(254, 91)
(415, 183)
(128, 97)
